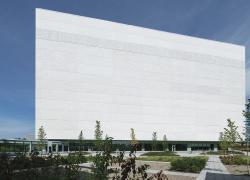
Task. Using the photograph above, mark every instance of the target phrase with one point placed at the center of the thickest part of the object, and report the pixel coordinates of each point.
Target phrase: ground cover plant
(235, 160)
(222, 152)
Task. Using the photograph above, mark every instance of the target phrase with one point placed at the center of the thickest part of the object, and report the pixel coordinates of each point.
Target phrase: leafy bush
(82, 153)
(189, 164)
(76, 158)
(39, 162)
(103, 159)
(6, 168)
(26, 168)
(129, 170)
(21, 162)
(234, 160)
(164, 153)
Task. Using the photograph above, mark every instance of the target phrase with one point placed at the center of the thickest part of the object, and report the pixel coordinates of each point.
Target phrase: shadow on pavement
(215, 176)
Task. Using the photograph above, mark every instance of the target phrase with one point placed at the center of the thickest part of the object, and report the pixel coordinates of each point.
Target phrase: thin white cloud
(15, 128)
(241, 35)
(248, 84)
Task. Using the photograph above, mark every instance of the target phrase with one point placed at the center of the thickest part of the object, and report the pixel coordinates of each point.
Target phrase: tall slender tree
(154, 140)
(98, 131)
(98, 134)
(165, 143)
(231, 133)
(246, 114)
(223, 143)
(80, 138)
(134, 141)
(42, 138)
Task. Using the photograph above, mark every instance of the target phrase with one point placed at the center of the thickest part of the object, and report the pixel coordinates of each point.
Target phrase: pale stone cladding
(132, 77)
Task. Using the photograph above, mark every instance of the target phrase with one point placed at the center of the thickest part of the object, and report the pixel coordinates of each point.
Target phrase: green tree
(165, 143)
(42, 138)
(103, 159)
(231, 133)
(80, 138)
(223, 143)
(154, 140)
(246, 114)
(133, 141)
(98, 134)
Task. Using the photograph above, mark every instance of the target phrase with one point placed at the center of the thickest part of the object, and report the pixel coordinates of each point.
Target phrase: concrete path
(214, 165)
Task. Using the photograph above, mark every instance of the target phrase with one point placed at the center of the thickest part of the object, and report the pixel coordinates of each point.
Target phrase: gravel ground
(157, 166)
(237, 169)
(154, 165)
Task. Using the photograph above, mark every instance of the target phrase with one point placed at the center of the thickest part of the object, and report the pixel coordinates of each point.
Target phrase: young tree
(154, 140)
(98, 131)
(246, 114)
(133, 142)
(247, 130)
(223, 143)
(231, 133)
(98, 134)
(42, 138)
(80, 138)
(165, 143)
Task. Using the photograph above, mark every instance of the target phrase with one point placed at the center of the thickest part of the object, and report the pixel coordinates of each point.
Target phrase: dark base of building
(59, 145)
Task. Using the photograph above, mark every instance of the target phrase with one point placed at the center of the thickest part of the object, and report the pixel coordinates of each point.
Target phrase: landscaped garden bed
(183, 164)
(235, 160)
(220, 152)
(236, 164)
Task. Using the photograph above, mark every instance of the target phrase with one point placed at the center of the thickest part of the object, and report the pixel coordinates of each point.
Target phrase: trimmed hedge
(159, 158)
(189, 164)
(164, 153)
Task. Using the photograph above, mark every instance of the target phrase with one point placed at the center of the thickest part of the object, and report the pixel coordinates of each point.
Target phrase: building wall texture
(132, 77)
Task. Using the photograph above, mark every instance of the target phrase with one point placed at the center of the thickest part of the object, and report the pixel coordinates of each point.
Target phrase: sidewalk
(214, 165)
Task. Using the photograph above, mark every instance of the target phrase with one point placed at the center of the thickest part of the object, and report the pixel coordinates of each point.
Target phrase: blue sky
(222, 20)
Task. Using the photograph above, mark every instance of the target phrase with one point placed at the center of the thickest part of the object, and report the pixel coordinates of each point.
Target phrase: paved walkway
(214, 165)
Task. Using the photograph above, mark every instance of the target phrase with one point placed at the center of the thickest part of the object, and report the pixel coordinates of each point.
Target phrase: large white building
(132, 77)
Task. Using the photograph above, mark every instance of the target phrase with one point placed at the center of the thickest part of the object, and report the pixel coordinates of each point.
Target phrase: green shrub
(75, 158)
(165, 153)
(80, 153)
(39, 162)
(21, 162)
(189, 164)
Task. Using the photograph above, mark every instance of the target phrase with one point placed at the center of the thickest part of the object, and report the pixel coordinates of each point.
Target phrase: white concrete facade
(132, 77)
